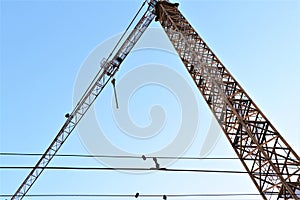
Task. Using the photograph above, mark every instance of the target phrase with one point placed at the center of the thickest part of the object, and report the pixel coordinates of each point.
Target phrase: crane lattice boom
(272, 164)
(107, 70)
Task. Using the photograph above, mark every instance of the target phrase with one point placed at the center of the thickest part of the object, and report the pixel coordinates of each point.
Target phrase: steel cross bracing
(272, 164)
(106, 72)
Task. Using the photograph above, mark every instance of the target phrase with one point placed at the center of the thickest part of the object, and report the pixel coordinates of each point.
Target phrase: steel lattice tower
(272, 164)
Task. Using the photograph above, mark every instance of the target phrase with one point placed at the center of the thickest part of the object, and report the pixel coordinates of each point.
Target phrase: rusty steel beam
(272, 164)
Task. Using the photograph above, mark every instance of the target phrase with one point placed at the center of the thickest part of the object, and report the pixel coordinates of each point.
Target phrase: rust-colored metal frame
(272, 164)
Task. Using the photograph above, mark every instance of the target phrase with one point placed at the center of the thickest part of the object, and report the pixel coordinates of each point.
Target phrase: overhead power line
(140, 195)
(130, 169)
(119, 156)
(125, 156)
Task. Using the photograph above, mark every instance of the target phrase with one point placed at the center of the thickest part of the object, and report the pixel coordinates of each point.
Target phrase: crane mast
(271, 163)
(108, 68)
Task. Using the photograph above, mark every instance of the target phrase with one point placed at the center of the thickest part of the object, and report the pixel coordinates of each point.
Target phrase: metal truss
(271, 163)
(106, 72)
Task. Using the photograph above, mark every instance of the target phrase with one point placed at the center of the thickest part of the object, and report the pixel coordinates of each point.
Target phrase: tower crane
(271, 163)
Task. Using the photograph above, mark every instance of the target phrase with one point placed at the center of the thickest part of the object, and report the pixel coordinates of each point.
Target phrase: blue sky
(44, 45)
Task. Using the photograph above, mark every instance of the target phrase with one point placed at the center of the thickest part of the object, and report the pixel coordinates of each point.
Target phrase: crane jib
(254, 139)
(107, 70)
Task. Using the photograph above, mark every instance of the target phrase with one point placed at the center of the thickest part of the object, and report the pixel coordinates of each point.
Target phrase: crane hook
(113, 81)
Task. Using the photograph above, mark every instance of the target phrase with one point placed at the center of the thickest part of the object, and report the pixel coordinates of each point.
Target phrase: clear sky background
(43, 46)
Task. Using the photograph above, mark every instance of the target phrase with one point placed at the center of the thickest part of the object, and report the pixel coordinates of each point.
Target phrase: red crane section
(271, 163)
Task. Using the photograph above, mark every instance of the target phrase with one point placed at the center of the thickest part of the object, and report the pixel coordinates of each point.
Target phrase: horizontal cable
(134, 169)
(125, 156)
(118, 156)
(140, 195)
